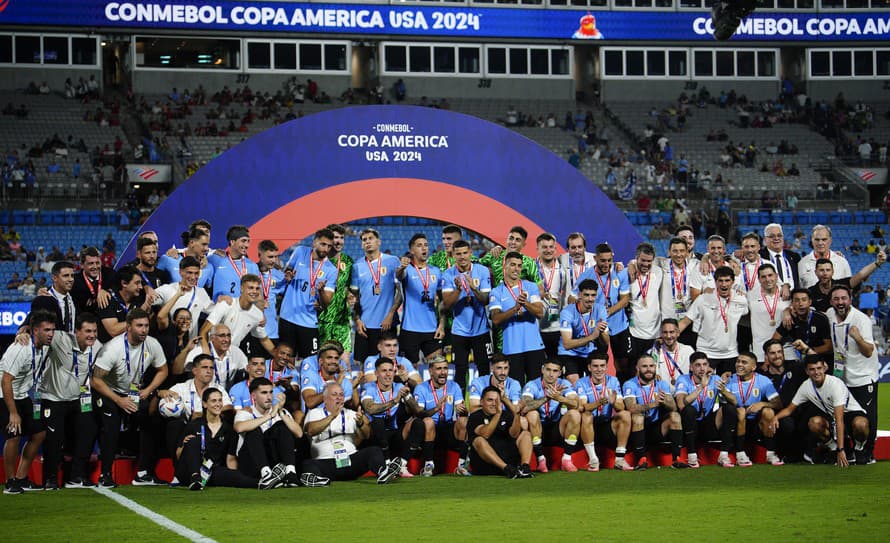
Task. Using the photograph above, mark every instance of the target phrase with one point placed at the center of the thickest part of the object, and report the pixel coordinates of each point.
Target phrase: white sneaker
(724, 462)
(773, 459)
(692, 460)
(428, 469)
(742, 460)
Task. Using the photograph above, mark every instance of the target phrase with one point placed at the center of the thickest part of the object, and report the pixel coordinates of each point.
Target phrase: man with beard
(312, 383)
(553, 418)
(499, 445)
(602, 413)
(423, 328)
(441, 418)
(577, 260)
(698, 396)
(653, 412)
(553, 292)
(378, 294)
(93, 283)
(232, 266)
(672, 358)
(498, 377)
(645, 302)
(787, 376)
(582, 324)
(333, 320)
(805, 331)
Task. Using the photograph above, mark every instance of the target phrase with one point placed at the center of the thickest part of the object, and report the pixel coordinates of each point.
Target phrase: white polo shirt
(676, 297)
(806, 268)
(859, 370)
(23, 362)
(645, 311)
(341, 429)
(224, 366)
(196, 302)
(716, 338)
(191, 400)
(833, 393)
(126, 363)
(241, 322)
(764, 308)
(671, 364)
(67, 368)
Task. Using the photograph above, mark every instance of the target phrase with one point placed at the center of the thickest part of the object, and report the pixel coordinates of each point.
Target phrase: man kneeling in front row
(499, 445)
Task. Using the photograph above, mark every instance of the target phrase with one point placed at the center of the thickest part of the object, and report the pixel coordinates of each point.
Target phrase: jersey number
(232, 288)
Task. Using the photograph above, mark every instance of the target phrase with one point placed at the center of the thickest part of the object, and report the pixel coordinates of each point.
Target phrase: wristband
(840, 450)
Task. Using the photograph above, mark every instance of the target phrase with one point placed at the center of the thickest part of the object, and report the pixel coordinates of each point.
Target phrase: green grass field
(800, 503)
(884, 406)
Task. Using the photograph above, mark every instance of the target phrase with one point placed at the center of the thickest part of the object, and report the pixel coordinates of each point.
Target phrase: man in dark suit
(59, 301)
(93, 284)
(774, 251)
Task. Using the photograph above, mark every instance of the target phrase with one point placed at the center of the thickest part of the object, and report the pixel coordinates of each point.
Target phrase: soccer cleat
(568, 465)
(13, 487)
(149, 479)
(50, 485)
(622, 465)
(676, 464)
(742, 460)
(773, 459)
(725, 462)
(390, 471)
(107, 481)
(312, 480)
(593, 466)
(542, 465)
(858, 445)
(78, 482)
(462, 470)
(427, 470)
(525, 471)
(29, 486)
(511, 472)
(642, 464)
(692, 460)
(195, 483)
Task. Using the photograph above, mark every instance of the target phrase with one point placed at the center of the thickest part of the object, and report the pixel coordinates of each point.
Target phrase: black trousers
(706, 428)
(190, 462)
(482, 349)
(148, 426)
(366, 346)
(387, 438)
(63, 418)
(362, 461)
(525, 367)
(261, 449)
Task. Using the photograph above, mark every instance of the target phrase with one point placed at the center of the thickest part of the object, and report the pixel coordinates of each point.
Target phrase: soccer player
(423, 327)
(787, 376)
(727, 15)
(272, 284)
(672, 358)
(821, 291)
(441, 419)
(465, 292)
(614, 294)
(766, 305)
(184, 294)
(715, 316)
(581, 325)
(240, 391)
(228, 358)
(809, 333)
(703, 279)
(837, 413)
(785, 261)
(553, 292)
(515, 306)
(309, 289)
(653, 413)
(20, 370)
(203, 455)
(516, 239)
(147, 260)
(119, 392)
(856, 359)
(498, 377)
(388, 347)
(756, 405)
(197, 245)
(602, 413)
(125, 298)
(388, 406)
(698, 397)
(242, 316)
(66, 400)
(329, 370)
(229, 269)
(190, 392)
(553, 418)
(335, 433)
(676, 298)
(645, 301)
(333, 320)
(267, 436)
(377, 291)
(821, 242)
(499, 445)
(445, 259)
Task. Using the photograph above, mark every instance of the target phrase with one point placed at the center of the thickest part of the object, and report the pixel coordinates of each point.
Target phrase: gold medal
(772, 322)
(376, 291)
(726, 328)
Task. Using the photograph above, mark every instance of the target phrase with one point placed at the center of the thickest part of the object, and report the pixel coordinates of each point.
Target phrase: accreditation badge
(86, 400)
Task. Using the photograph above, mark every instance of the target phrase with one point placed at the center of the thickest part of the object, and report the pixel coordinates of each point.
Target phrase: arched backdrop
(290, 180)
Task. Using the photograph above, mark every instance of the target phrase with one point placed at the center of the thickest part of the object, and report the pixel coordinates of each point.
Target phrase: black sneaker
(291, 480)
(149, 479)
(312, 480)
(78, 482)
(511, 471)
(727, 15)
(679, 465)
(642, 464)
(525, 472)
(390, 471)
(29, 486)
(51, 484)
(13, 487)
(195, 482)
(107, 481)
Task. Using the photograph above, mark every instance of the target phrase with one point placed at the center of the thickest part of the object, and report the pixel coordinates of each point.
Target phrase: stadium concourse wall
(14, 78)
(658, 92)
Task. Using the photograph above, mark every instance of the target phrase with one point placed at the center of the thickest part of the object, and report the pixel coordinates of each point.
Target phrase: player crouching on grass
(835, 410)
(499, 445)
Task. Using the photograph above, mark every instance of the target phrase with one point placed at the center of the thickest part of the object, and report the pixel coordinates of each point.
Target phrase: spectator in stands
(14, 282)
(399, 90)
(855, 248)
(793, 171)
(871, 248)
(779, 169)
(43, 88)
(864, 149)
(644, 203)
(878, 232)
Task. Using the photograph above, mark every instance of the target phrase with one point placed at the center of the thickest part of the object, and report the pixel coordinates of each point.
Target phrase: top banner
(457, 22)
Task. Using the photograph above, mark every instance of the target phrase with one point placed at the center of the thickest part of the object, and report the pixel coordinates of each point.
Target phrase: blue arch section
(323, 151)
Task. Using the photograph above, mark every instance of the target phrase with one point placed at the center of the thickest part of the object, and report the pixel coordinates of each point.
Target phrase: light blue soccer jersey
(470, 316)
(419, 287)
(301, 295)
(521, 332)
(377, 283)
(580, 325)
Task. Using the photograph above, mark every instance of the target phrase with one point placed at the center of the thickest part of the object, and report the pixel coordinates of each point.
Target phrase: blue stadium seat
(819, 217)
(4, 217)
(836, 217)
(24, 217)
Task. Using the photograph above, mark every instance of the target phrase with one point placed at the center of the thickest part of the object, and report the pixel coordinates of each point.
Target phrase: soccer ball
(171, 407)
